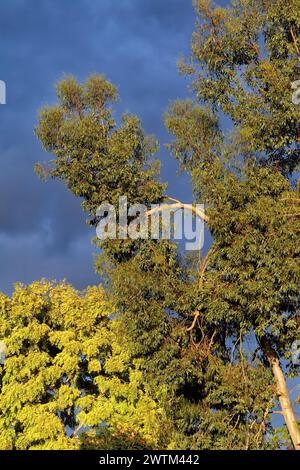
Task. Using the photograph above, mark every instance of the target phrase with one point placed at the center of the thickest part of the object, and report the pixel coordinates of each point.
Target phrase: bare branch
(180, 205)
(197, 314)
(172, 199)
(295, 40)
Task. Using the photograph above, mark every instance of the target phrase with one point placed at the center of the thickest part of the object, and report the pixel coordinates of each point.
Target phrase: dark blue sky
(135, 43)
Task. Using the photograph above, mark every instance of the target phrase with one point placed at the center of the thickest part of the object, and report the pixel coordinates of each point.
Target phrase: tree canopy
(177, 352)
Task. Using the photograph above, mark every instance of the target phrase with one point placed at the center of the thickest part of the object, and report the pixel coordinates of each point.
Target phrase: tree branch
(295, 41)
(180, 205)
(197, 314)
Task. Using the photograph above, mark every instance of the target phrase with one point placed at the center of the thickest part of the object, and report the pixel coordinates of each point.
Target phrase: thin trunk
(283, 394)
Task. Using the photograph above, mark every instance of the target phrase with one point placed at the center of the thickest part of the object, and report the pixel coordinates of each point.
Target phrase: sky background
(136, 44)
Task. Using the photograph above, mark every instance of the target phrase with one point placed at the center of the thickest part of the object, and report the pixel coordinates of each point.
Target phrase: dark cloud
(135, 43)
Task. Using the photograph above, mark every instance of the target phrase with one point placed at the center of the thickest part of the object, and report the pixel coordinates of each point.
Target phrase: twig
(172, 199)
(76, 431)
(204, 265)
(291, 199)
(190, 328)
(212, 340)
(295, 42)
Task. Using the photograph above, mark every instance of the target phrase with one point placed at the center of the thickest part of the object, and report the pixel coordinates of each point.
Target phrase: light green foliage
(65, 368)
(51, 337)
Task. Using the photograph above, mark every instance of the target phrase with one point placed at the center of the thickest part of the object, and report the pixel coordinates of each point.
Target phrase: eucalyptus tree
(187, 322)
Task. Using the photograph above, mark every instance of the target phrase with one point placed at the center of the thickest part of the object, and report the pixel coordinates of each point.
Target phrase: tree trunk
(283, 394)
